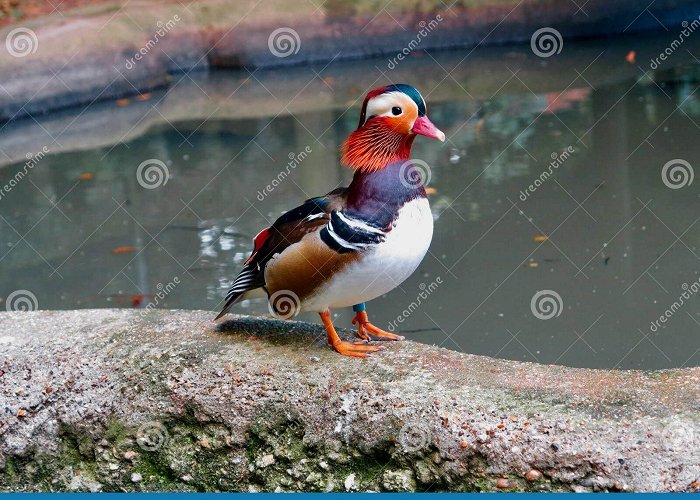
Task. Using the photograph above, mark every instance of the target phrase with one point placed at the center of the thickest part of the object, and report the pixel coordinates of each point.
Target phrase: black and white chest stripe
(350, 234)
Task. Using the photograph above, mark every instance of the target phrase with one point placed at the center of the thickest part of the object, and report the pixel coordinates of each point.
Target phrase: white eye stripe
(382, 104)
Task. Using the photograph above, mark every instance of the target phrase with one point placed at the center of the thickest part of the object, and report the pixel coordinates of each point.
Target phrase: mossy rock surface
(114, 400)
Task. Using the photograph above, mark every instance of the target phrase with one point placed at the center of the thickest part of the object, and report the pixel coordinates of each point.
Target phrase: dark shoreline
(57, 77)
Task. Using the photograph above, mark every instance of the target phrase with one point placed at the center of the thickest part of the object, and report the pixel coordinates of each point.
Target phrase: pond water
(571, 268)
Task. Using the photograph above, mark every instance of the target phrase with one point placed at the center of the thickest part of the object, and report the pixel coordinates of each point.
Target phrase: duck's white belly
(384, 266)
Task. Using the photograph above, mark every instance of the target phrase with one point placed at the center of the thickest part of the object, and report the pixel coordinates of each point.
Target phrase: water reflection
(602, 231)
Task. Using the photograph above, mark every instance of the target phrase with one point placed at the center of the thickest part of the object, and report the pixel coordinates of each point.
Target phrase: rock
(503, 484)
(265, 461)
(349, 483)
(401, 480)
(136, 477)
(259, 402)
(84, 484)
(533, 475)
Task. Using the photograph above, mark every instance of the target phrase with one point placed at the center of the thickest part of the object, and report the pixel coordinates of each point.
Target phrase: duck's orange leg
(367, 330)
(343, 347)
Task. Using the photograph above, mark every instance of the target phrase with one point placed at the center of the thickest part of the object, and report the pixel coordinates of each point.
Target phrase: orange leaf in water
(122, 102)
(136, 300)
(144, 97)
(125, 249)
(86, 176)
(430, 190)
(540, 238)
(631, 57)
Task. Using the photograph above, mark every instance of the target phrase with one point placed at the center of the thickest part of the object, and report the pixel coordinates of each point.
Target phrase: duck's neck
(378, 196)
(374, 146)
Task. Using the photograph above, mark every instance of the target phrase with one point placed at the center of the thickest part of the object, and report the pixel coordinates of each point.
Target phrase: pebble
(136, 477)
(350, 482)
(503, 484)
(113, 467)
(533, 475)
(130, 455)
(464, 444)
(265, 461)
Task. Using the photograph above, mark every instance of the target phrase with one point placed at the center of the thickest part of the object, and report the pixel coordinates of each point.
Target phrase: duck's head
(391, 118)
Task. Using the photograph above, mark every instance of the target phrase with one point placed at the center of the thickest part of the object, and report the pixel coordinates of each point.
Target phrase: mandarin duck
(355, 243)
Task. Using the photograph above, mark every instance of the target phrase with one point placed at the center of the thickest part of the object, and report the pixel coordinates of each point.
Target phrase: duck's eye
(396, 111)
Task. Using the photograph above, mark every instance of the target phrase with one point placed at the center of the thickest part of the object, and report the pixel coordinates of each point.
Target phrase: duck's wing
(288, 229)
